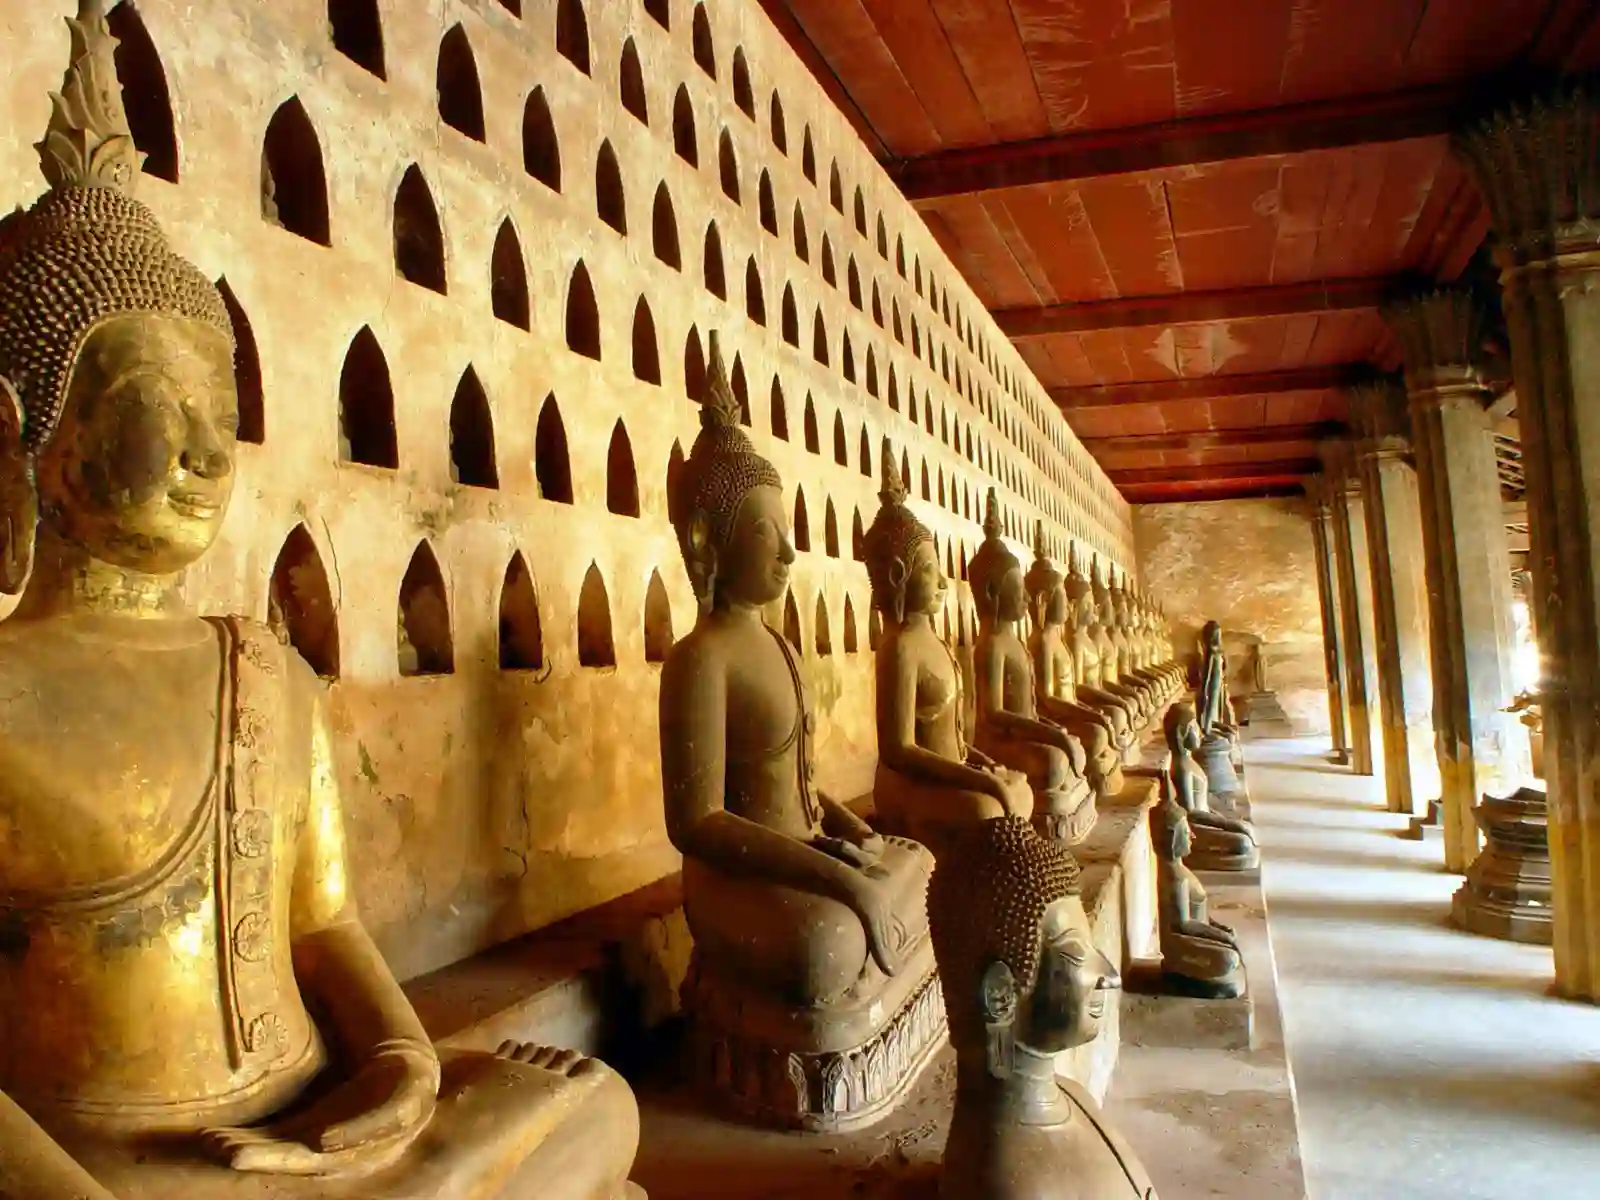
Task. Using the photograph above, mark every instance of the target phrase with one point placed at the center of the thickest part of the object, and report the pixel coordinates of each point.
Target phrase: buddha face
(925, 583)
(753, 568)
(140, 471)
(1068, 1002)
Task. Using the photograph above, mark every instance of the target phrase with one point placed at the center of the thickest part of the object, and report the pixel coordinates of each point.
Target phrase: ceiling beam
(1190, 493)
(1273, 470)
(1188, 308)
(1208, 387)
(1193, 141)
(1217, 439)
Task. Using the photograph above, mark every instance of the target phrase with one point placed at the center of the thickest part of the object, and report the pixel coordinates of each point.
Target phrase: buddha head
(1013, 947)
(1169, 825)
(902, 564)
(1047, 593)
(728, 508)
(1181, 727)
(1080, 596)
(1211, 638)
(118, 408)
(995, 573)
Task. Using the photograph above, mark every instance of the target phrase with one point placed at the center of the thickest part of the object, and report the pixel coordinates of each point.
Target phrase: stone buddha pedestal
(1199, 956)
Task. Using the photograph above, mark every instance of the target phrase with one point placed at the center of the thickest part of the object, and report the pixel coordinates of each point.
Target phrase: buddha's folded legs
(928, 812)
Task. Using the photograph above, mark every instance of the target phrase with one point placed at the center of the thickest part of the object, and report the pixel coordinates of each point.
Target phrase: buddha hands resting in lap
(1220, 842)
(929, 781)
(174, 895)
(1023, 982)
(1009, 727)
(1199, 956)
(1102, 736)
(784, 887)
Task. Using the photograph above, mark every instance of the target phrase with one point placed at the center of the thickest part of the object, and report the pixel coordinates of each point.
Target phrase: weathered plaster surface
(1250, 564)
(485, 803)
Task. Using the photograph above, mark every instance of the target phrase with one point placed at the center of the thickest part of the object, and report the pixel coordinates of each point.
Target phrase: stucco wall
(483, 802)
(1251, 565)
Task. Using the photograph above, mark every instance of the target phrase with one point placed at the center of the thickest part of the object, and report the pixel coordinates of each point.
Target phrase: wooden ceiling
(1186, 212)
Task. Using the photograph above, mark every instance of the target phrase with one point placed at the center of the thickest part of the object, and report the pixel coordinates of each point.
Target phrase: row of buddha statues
(190, 1005)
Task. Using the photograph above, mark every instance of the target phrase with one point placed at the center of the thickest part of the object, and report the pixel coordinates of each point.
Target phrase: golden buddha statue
(1106, 633)
(929, 780)
(1009, 728)
(1104, 734)
(811, 997)
(189, 1004)
(1023, 982)
(1199, 956)
(1086, 657)
(1131, 649)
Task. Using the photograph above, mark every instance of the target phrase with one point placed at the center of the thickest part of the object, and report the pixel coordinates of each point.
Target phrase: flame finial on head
(891, 488)
(88, 142)
(1039, 545)
(991, 515)
(720, 406)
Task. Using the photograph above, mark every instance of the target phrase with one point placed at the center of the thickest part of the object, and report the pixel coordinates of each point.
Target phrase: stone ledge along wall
(452, 483)
(1250, 565)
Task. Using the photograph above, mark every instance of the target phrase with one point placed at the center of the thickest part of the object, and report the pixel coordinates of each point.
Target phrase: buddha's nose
(786, 554)
(204, 454)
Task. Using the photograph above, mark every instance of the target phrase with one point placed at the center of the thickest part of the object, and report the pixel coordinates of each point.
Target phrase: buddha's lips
(195, 505)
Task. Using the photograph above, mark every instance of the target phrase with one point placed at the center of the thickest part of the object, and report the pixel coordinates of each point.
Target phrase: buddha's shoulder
(1110, 1141)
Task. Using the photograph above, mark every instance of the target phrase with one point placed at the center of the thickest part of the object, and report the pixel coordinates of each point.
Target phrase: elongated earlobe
(19, 501)
(999, 1004)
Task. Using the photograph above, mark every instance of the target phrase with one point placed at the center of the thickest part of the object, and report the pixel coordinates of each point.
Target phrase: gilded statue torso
(938, 714)
(1054, 664)
(118, 1005)
(1086, 654)
(770, 772)
(1016, 673)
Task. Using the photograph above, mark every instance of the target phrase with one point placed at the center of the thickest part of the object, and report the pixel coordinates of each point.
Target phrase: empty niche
(819, 339)
(791, 317)
(300, 605)
(632, 84)
(358, 33)
(683, 135)
(743, 95)
(583, 315)
(423, 635)
(366, 405)
(716, 279)
(508, 279)
(835, 187)
(927, 492)
(780, 131)
(595, 645)
(850, 645)
(741, 390)
(899, 332)
(861, 213)
(883, 239)
(294, 188)
(853, 282)
(514, 7)
(144, 92)
(813, 439)
(755, 304)
(418, 240)
(246, 370)
(847, 358)
(472, 435)
(767, 204)
(780, 412)
(675, 468)
(841, 445)
(877, 306)
(791, 623)
(657, 620)
(646, 355)
(866, 453)
(622, 482)
(872, 373)
(911, 404)
(830, 531)
(905, 469)
(801, 528)
(828, 275)
(521, 632)
(900, 256)
(609, 199)
(858, 538)
(694, 367)
(541, 151)
(823, 632)
(705, 53)
(728, 166)
(572, 34)
(460, 94)
(660, 12)
(802, 249)
(664, 230)
(551, 466)
(874, 629)
(894, 392)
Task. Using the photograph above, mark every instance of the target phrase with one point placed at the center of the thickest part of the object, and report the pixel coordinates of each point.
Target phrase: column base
(1429, 827)
(1507, 893)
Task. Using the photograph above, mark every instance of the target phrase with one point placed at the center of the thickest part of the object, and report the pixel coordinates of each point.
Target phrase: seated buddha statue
(1104, 734)
(189, 1003)
(1023, 982)
(1221, 842)
(810, 930)
(1132, 649)
(929, 780)
(1159, 648)
(1009, 728)
(1199, 956)
(1106, 633)
(1086, 655)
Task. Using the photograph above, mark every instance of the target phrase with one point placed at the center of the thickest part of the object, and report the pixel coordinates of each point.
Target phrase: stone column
(1355, 607)
(1393, 513)
(1538, 172)
(1320, 490)
(1482, 749)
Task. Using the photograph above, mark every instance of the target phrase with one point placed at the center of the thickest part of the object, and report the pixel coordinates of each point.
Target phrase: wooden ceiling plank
(1171, 391)
(1231, 53)
(997, 277)
(1133, 229)
(983, 35)
(1007, 224)
(1215, 439)
(923, 55)
(1286, 468)
(1056, 228)
(1202, 494)
(1100, 66)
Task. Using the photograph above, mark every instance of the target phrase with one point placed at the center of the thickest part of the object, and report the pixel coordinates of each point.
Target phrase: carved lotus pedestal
(1507, 892)
(1065, 814)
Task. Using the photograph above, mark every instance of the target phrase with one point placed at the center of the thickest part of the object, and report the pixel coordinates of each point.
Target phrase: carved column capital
(1339, 465)
(1379, 411)
(1319, 490)
(1441, 335)
(1536, 164)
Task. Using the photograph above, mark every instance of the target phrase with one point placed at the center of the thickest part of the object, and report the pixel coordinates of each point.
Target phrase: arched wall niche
(658, 636)
(357, 32)
(791, 623)
(366, 405)
(460, 93)
(824, 629)
(472, 458)
(246, 370)
(541, 148)
(664, 230)
(596, 647)
(551, 464)
(622, 479)
(572, 33)
(300, 605)
(508, 279)
(418, 237)
(294, 186)
(424, 640)
(850, 634)
(145, 95)
(521, 640)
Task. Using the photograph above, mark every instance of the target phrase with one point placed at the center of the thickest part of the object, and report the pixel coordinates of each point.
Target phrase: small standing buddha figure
(1221, 843)
(929, 780)
(1023, 982)
(1009, 729)
(1199, 956)
(1219, 750)
(189, 1003)
(1104, 734)
(1086, 655)
(810, 930)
